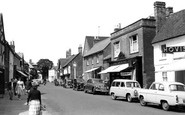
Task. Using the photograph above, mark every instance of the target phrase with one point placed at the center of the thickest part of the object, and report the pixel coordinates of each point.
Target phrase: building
(95, 60)
(169, 44)
(132, 52)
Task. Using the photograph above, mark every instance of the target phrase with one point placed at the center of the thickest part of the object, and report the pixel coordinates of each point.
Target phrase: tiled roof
(174, 27)
(69, 60)
(98, 47)
(91, 40)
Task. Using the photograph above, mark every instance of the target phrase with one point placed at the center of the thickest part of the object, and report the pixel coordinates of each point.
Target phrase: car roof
(168, 83)
(125, 80)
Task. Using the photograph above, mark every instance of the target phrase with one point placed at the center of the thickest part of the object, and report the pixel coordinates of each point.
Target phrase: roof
(69, 60)
(173, 27)
(91, 40)
(98, 47)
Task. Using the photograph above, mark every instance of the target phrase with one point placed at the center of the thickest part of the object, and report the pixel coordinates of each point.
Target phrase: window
(122, 84)
(92, 61)
(116, 49)
(117, 84)
(134, 44)
(114, 84)
(163, 47)
(154, 86)
(87, 62)
(164, 75)
(97, 59)
(161, 87)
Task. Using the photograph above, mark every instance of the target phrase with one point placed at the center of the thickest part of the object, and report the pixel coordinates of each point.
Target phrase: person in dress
(14, 86)
(20, 88)
(34, 100)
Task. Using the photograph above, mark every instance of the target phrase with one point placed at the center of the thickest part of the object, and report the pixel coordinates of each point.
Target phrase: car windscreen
(132, 84)
(98, 81)
(176, 87)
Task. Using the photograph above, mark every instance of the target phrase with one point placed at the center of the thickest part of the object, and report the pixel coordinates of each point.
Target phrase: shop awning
(120, 68)
(22, 73)
(109, 69)
(174, 66)
(93, 69)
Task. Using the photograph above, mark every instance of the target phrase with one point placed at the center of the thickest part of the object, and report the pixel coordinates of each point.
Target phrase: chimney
(160, 14)
(80, 49)
(68, 53)
(117, 28)
(12, 45)
(169, 10)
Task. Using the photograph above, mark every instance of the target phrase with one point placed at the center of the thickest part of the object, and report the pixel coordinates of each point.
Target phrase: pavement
(15, 106)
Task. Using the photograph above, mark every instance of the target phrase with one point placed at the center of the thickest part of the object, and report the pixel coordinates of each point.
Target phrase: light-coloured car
(165, 94)
(124, 88)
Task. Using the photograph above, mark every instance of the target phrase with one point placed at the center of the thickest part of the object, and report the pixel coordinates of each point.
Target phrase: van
(124, 88)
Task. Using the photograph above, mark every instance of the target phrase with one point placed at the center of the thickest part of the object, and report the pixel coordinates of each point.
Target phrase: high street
(62, 101)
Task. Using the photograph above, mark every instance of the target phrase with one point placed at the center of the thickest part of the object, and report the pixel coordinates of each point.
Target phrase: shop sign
(126, 73)
(173, 49)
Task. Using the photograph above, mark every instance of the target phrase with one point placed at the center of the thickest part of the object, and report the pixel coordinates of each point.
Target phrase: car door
(152, 93)
(122, 89)
(118, 89)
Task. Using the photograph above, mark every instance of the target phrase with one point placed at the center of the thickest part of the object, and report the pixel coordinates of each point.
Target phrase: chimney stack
(169, 11)
(160, 14)
(68, 53)
(12, 45)
(80, 49)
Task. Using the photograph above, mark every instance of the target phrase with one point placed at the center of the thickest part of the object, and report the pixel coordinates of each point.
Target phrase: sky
(46, 29)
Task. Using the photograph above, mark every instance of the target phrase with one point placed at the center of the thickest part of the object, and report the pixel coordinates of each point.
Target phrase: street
(61, 101)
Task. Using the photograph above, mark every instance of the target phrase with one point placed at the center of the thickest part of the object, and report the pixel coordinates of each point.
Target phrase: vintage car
(124, 88)
(166, 94)
(78, 84)
(96, 85)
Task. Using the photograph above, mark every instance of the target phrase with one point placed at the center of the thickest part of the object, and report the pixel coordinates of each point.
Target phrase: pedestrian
(14, 86)
(34, 100)
(20, 88)
(10, 89)
(28, 85)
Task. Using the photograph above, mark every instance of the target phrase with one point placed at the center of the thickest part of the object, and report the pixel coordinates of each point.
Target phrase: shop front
(2, 81)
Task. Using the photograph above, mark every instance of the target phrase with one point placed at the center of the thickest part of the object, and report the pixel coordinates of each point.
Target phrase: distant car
(166, 94)
(56, 82)
(125, 88)
(79, 84)
(96, 85)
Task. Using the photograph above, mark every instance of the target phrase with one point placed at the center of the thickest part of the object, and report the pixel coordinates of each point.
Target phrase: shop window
(116, 49)
(164, 75)
(134, 44)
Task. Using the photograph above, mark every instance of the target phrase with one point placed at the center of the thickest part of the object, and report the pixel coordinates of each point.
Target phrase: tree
(44, 65)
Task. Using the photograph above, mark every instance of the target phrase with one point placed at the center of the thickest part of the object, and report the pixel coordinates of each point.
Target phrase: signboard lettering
(172, 49)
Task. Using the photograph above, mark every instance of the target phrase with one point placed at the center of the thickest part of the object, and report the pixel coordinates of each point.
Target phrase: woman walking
(20, 88)
(34, 100)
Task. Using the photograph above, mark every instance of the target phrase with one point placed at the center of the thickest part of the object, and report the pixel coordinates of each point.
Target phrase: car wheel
(129, 98)
(165, 105)
(113, 96)
(142, 102)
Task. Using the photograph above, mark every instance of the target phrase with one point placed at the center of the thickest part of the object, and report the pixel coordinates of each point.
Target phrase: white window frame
(116, 47)
(87, 62)
(92, 61)
(97, 59)
(134, 44)
(164, 75)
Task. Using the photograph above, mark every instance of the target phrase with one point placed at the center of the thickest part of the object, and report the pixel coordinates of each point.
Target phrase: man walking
(10, 89)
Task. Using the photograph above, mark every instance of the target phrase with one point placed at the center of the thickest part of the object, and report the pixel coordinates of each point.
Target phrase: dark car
(96, 85)
(79, 84)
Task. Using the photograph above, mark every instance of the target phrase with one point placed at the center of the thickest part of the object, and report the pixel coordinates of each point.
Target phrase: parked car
(124, 88)
(96, 85)
(79, 84)
(165, 94)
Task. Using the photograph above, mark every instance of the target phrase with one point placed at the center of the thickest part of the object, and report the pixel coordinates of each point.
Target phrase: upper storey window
(116, 49)
(134, 44)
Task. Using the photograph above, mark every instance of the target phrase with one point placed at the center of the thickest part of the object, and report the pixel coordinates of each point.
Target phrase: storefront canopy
(116, 68)
(109, 69)
(174, 66)
(120, 68)
(93, 69)
(22, 73)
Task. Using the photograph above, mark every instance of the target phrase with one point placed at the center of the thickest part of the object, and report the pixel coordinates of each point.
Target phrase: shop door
(180, 76)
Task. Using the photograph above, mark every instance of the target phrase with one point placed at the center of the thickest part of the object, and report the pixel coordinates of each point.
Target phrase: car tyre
(165, 105)
(142, 102)
(113, 96)
(129, 98)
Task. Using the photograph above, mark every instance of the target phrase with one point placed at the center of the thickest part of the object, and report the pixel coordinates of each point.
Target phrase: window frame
(132, 44)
